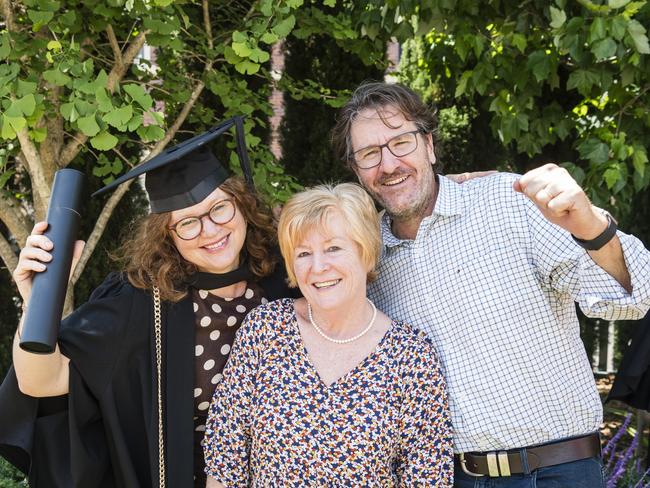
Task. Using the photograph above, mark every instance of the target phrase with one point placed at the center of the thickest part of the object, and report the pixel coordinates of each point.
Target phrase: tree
(73, 86)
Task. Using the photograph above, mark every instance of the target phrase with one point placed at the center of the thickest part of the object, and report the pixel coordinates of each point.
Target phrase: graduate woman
(123, 400)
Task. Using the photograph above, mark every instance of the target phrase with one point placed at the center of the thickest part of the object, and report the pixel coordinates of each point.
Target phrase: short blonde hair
(311, 208)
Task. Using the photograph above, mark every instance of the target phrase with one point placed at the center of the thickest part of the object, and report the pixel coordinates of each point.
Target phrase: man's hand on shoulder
(562, 201)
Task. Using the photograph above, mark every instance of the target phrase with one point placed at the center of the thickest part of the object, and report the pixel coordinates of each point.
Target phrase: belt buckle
(497, 462)
(463, 465)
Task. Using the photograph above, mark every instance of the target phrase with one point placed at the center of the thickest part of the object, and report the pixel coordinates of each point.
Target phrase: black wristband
(598, 242)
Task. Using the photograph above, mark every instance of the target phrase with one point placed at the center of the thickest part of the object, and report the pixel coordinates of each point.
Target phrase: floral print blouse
(273, 422)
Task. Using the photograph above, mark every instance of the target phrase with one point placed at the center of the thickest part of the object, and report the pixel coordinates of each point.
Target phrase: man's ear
(432, 154)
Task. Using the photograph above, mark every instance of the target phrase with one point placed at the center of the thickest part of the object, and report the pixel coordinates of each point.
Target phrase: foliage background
(515, 83)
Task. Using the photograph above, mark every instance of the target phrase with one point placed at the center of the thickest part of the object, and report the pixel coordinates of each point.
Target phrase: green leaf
(259, 56)
(558, 17)
(617, 3)
(104, 102)
(27, 104)
(54, 46)
(247, 67)
(135, 122)
(598, 30)
(88, 125)
(266, 7)
(231, 56)
(604, 49)
(38, 134)
(583, 80)
(283, 28)
(163, 3)
(5, 177)
(104, 141)
(5, 46)
(611, 176)
(139, 95)
(269, 38)
(241, 49)
(39, 18)
(7, 131)
(25, 88)
(56, 77)
(150, 133)
(519, 41)
(594, 150)
(461, 88)
(330, 3)
(637, 33)
(69, 112)
(540, 64)
(639, 159)
(618, 27)
(239, 37)
(119, 117)
(158, 117)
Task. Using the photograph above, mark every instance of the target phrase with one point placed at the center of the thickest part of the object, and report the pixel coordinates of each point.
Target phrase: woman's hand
(34, 258)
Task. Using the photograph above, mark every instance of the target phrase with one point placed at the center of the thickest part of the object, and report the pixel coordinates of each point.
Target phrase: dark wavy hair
(149, 257)
(378, 95)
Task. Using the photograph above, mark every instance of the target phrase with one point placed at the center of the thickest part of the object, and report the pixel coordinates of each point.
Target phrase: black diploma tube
(43, 316)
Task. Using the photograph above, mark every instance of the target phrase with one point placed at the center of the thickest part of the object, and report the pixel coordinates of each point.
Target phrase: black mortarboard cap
(185, 174)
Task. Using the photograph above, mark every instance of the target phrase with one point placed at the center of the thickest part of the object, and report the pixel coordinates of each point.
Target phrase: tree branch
(206, 22)
(40, 185)
(8, 14)
(12, 218)
(117, 54)
(7, 254)
(73, 147)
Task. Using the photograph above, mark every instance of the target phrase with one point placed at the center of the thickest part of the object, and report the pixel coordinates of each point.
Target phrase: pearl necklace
(343, 341)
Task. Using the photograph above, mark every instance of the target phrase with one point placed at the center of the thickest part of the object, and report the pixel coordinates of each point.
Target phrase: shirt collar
(448, 203)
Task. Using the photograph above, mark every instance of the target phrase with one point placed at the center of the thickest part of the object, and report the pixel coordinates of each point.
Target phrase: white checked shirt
(493, 283)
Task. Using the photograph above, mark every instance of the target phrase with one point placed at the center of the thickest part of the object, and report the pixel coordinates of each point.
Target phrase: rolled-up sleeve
(569, 269)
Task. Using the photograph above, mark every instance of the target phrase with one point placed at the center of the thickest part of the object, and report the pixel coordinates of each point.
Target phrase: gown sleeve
(59, 441)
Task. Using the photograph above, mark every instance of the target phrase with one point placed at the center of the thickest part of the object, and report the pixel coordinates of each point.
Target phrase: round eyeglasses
(400, 145)
(190, 228)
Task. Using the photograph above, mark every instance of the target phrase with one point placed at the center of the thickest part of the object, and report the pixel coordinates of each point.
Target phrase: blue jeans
(586, 473)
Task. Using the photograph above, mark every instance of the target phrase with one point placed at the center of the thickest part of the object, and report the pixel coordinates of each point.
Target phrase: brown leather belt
(515, 461)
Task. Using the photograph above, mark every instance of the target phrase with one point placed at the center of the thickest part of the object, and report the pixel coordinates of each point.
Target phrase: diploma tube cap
(185, 174)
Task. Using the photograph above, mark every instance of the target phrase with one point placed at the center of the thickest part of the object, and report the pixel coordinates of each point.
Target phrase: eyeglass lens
(221, 213)
(400, 145)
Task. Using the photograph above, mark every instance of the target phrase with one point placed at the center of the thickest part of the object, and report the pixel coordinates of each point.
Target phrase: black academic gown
(632, 383)
(104, 433)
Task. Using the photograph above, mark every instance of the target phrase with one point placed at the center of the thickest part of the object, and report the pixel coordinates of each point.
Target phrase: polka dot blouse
(217, 321)
(273, 422)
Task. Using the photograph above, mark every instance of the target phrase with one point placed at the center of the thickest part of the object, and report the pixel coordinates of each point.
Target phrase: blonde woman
(326, 390)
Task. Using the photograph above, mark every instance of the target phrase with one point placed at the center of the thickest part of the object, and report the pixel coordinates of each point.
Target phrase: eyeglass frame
(386, 145)
(200, 219)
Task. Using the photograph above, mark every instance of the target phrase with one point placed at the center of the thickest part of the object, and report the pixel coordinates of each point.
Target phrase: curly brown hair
(150, 257)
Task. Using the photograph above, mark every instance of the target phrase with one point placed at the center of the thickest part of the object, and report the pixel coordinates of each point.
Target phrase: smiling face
(217, 248)
(404, 186)
(328, 266)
